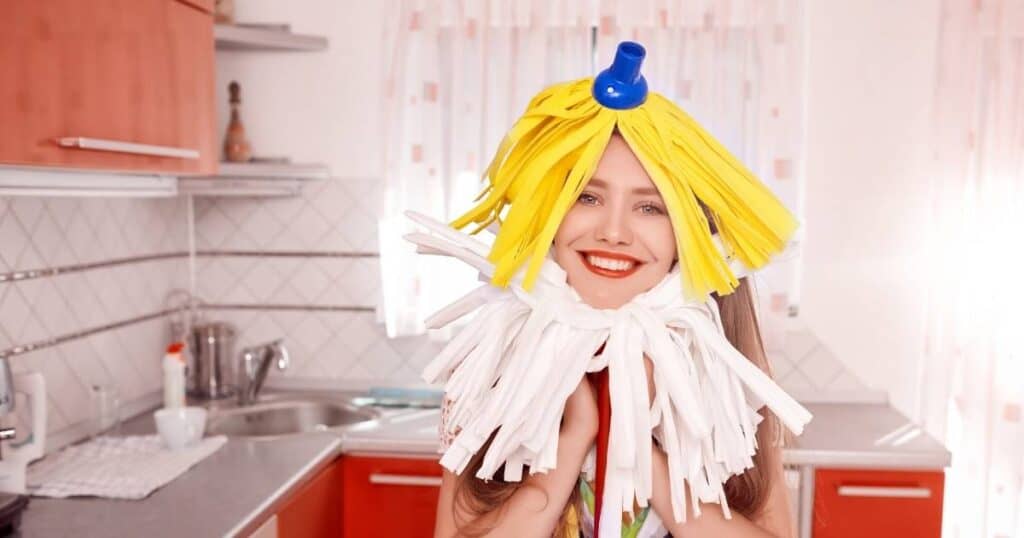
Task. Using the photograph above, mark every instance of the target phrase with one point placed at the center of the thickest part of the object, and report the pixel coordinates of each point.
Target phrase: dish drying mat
(115, 467)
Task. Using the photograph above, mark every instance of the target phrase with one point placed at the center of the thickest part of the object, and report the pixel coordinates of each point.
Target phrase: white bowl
(180, 427)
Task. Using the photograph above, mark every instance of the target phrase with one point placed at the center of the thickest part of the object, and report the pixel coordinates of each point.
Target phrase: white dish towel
(115, 467)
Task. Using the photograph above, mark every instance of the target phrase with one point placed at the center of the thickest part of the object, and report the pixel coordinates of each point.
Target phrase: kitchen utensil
(212, 348)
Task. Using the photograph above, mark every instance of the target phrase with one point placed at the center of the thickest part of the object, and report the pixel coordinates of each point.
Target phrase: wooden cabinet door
(879, 504)
(135, 71)
(388, 497)
(315, 510)
(204, 5)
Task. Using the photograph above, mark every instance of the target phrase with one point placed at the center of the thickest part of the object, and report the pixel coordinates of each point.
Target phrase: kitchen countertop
(872, 436)
(230, 491)
(840, 435)
(234, 490)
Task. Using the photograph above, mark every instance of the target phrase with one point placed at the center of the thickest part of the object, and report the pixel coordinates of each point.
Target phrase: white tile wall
(36, 233)
(805, 367)
(336, 215)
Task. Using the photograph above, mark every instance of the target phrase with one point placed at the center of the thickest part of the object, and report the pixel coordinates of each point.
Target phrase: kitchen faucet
(255, 366)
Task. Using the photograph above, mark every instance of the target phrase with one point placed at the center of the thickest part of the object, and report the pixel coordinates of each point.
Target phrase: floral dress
(580, 516)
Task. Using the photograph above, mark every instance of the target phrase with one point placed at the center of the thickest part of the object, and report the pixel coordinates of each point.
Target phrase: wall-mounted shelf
(254, 179)
(45, 181)
(272, 170)
(264, 37)
(233, 179)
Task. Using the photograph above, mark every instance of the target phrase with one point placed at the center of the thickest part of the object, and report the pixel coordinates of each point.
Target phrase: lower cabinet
(364, 496)
(856, 503)
(388, 497)
(369, 496)
(314, 511)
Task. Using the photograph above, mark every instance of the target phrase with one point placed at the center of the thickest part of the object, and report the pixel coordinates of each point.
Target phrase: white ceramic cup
(180, 427)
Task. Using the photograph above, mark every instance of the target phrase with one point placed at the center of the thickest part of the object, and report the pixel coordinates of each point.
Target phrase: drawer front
(856, 503)
(390, 497)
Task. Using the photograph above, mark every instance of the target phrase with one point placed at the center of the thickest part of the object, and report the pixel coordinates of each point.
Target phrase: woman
(613, 192)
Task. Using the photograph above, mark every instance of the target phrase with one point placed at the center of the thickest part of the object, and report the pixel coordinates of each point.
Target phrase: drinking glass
(106, 408)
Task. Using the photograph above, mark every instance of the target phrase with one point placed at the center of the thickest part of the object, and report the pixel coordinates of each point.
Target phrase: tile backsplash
(303, 268)
(311, 275)
(121, 257)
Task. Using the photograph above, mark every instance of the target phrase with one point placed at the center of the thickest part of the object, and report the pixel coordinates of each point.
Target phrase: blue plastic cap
(621, 86)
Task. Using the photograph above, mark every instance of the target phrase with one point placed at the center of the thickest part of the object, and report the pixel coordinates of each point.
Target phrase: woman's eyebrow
(644, 191)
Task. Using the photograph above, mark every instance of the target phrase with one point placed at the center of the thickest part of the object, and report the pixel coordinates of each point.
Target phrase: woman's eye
(587, 199)
(651, 209)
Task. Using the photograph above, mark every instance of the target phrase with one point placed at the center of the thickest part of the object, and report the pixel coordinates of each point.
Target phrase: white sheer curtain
(974, 369)
(737, 66)
(458, 74)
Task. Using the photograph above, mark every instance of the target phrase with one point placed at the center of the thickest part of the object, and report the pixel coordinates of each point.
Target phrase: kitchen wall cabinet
(135, 73)
(387, 497)
(855, 503)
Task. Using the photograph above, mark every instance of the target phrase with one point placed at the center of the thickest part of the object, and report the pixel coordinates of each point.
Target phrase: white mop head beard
(514, 365)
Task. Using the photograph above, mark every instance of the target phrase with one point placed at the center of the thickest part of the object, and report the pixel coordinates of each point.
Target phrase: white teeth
(610, 264)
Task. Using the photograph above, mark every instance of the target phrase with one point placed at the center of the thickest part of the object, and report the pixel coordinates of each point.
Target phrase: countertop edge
(866, 460)
(791, 456)
(272, 503)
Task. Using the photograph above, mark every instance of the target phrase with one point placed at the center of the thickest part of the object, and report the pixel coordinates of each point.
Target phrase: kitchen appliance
(17, 454)
(211, 369)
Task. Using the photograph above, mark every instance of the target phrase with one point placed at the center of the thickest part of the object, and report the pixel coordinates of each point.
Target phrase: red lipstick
(609, 273)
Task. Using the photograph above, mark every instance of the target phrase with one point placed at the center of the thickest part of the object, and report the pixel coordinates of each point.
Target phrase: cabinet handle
(405, 480)
(126, 147)
(885, 491)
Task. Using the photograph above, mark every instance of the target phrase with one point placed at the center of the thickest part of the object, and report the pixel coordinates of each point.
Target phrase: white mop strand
(516, 362)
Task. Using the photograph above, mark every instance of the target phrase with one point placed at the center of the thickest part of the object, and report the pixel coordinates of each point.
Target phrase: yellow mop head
(543, 164)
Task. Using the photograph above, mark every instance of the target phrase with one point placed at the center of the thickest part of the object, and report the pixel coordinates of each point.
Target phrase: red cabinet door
(388, 497)
(129, 71)
(315, 510)
(880, 504)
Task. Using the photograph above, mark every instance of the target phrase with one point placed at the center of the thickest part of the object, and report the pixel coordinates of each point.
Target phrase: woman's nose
(614, 228)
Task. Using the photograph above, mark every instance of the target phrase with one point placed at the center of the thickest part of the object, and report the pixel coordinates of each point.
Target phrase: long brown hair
(746, 493)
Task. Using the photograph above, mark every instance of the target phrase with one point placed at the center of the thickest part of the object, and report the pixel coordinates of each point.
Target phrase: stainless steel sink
(276, 415)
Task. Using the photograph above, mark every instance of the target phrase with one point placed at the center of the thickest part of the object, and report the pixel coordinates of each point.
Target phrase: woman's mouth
(609, 264)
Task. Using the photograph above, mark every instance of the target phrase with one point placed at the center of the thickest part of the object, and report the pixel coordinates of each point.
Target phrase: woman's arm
(710, 523)
(776, 516)
(535, 508)
(774, 521)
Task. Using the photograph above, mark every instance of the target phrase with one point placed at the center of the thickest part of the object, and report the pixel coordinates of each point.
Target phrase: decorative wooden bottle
(236, 147)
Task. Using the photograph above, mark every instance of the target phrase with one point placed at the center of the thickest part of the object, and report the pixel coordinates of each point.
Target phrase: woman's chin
(608, 296)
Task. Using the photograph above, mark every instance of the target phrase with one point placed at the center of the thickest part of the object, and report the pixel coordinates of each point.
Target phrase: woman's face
(617, 240)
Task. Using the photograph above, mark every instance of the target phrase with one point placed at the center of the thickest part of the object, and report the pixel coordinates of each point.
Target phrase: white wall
(870, 73)
(311, 106)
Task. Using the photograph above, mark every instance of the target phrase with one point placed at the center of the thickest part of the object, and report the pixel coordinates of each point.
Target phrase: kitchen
(110, 256)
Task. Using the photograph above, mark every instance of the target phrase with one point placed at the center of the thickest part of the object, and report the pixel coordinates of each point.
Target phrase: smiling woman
(625, 232)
